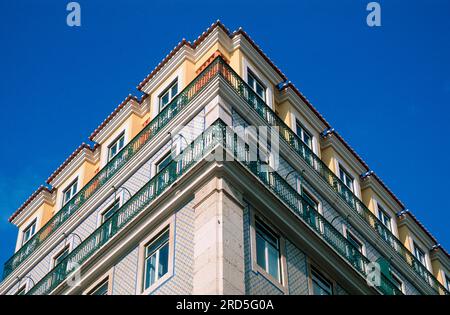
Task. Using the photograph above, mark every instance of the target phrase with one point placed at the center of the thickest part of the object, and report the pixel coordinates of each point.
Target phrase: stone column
(219, 244)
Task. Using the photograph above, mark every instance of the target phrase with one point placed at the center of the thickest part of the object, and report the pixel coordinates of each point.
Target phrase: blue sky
(386, 90)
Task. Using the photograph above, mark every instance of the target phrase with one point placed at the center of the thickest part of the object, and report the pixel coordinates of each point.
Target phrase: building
(169, 200)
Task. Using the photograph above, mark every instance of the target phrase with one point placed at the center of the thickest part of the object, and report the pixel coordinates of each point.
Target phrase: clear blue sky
(386, 90)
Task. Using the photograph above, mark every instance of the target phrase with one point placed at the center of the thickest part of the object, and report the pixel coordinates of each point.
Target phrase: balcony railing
(113, 166)
(272, 119)
(217, 136)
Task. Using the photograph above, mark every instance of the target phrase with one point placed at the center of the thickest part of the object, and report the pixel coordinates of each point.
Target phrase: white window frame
(343, 170)
(418, 248)
(304, 130)
(168, 90)
(283, 285)
(313, 196)
(53, 258)
(29, 226)
(168, 224)
(396, 278)
(257, 81)
(246, 65)
(69, 187)
(106, 277)
(349, 233)
(115, 142)
(381, 211)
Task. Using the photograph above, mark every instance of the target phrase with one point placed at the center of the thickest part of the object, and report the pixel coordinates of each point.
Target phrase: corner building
(147, 210)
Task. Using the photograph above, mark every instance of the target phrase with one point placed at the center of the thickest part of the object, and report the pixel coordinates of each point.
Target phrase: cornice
(336, 144)
(132, 106)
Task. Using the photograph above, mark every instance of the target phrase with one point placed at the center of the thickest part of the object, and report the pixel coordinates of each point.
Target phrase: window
(163, 162)
(420, 255)
(304, 135)
(70, 192)
(256, 85)
(346, 178)
(397, 282)
(310, 200)
(168, 95)
(60, 256)
(22, 290)
(116, 146)
(354, 241)
(384, 217)
(29, 232)
(447, 282)
(110, 210)
(100, 289)
(320, 284)
(268, 250)
(156, 261)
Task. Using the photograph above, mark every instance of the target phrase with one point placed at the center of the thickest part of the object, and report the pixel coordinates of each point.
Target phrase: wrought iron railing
(217, 136)
(113, 166)
(286, 133)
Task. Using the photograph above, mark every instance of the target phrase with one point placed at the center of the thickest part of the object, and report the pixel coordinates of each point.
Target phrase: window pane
(165, 100)
(164, 162)
(251, 81)
(111, 210)
(273, 259)
(150, 271)
(354, 242)
(260, 91)
(260, 251)
(61, 256)
(174, 90)
(101, 290)
(321, 286)
(163, 260)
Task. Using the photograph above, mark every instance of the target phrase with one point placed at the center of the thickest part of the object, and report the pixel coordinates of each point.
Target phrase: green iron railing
(113, 166)
(286, 133)
(217, 134)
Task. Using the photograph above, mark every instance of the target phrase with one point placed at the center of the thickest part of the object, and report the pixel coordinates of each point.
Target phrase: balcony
(117, 163)
(220, 68)
(215, 138)
(293, 141)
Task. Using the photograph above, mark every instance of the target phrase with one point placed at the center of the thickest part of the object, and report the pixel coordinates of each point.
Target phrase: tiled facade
(211, 205)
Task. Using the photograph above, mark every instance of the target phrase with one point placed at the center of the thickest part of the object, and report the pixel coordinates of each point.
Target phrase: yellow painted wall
(328, 158)
(403, 234)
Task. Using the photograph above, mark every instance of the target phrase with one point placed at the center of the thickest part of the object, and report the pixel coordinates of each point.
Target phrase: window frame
(349, 233)
(108, 276)
(417, 248)
(381, 212)
(32, 224)
(22, 288)
(447, 281)
(108, 208)
(313, 268)
(55, 256)
(168, 90)
(304, 130)
(257, 80)
(169, 225)
(396, 279)
(114, 142)
(69, 187)
(256, 268)
(347, 175)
